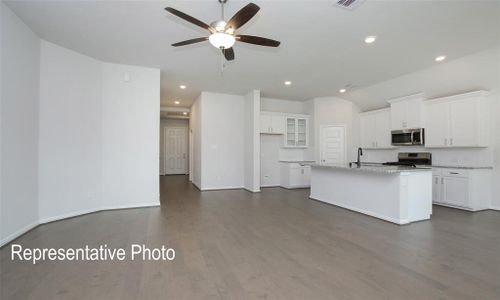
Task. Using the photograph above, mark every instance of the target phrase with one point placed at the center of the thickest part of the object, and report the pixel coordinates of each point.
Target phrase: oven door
(402, 137)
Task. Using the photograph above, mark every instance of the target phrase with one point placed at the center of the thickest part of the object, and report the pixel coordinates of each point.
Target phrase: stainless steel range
(412, 159)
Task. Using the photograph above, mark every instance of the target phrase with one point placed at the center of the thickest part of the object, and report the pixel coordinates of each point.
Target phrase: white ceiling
(322, 45)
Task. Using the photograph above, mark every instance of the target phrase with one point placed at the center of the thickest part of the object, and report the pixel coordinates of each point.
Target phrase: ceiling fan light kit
(221, 40)
(222, 34)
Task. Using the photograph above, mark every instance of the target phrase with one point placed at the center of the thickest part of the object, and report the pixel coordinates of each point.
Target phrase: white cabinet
(436, 188)
(460, 188)
(375, 129)
(458, 121)
(296, 131)
(294, 175)
(437, 130)
(407, 112)
(455, 191)
(272, 123)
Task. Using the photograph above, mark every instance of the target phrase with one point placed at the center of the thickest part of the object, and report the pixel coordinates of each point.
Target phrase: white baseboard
(495, 207)
(17, 234)
(68, 215)
(222, 188)
(22, 231)
(253, 191)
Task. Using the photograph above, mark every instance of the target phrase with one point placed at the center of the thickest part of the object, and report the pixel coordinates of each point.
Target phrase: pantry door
(332, 144)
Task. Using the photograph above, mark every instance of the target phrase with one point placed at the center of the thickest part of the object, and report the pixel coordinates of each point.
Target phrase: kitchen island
(396, 194)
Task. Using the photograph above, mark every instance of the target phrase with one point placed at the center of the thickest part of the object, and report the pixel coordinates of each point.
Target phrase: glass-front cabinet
(296, 135)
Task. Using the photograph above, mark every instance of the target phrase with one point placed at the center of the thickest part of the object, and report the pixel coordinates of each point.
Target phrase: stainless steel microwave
(408, 137)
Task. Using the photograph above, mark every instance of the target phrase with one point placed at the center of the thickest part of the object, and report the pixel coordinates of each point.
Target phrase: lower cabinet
(294, 175)
(461, 188)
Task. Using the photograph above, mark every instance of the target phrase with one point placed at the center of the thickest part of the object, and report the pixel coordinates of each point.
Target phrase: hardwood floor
(277, 244)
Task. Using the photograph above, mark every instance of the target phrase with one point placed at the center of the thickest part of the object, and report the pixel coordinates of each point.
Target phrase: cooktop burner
(412, 159)
(397, 163)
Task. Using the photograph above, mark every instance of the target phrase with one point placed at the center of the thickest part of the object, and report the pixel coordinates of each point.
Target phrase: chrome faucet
(360, 153)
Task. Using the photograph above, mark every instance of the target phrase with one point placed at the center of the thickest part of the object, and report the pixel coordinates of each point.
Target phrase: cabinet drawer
(455, 173)
(436, 172)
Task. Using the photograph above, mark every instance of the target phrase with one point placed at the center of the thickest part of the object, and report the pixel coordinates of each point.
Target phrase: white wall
(70, 133)
(99, 135)
(252, 141)
(170, 122)
(282, 105)
(130, 136)
(195, 130)
(222, 141)
(496, 133)
(336, 111)
(472, 72)
(20, 63)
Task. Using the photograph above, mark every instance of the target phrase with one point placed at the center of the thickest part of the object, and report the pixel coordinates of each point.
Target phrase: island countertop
(373, 168)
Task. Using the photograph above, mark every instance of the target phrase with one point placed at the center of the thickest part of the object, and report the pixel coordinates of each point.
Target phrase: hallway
(276, 244)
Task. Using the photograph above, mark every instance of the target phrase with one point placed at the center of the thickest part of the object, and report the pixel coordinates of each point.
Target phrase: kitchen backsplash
(452, 157)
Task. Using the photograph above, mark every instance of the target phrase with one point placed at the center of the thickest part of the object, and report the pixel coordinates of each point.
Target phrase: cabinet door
(291, 130)
(437, 125)
(383, 129)
(455, 191)
(398, 115)
(301, 132)
(367, 131)
(306, 176)
(436, 188)
(464, 123)
(278, 124)
(295, 176)
(265, 123)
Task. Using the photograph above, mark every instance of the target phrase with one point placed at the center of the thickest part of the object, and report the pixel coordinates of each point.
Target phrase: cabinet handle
(442, 180)
(451, 141)
(436, 180)
(454, 173)
(446, 142)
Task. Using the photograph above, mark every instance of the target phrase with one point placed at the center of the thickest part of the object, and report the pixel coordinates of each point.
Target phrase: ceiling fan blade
(228, 53)
(243, 16)
(188, 18)
(257, 40)
(189, 42)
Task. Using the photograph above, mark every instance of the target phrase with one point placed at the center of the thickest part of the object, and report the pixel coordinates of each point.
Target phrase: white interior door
(332, 144)
(175, 150)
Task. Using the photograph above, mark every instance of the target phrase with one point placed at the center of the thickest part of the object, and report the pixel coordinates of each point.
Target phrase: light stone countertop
(461, 167)
(373, 168)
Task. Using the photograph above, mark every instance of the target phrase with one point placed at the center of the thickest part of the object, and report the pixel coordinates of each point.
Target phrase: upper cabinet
(458, 121)
(296, 131)
(375, 129)
(272, 123)
(407, 112)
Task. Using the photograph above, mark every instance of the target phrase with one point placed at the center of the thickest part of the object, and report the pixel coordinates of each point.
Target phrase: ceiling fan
(223, 34)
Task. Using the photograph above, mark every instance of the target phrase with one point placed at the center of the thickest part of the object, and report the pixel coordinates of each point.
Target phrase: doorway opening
(174, 146)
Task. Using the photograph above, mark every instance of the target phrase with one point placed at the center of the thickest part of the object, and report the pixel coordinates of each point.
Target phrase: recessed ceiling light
(440, 58)
(182, 86)
(177, 102)
(370, 39)
(342, 90)
(185, 113)
(288, 82)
